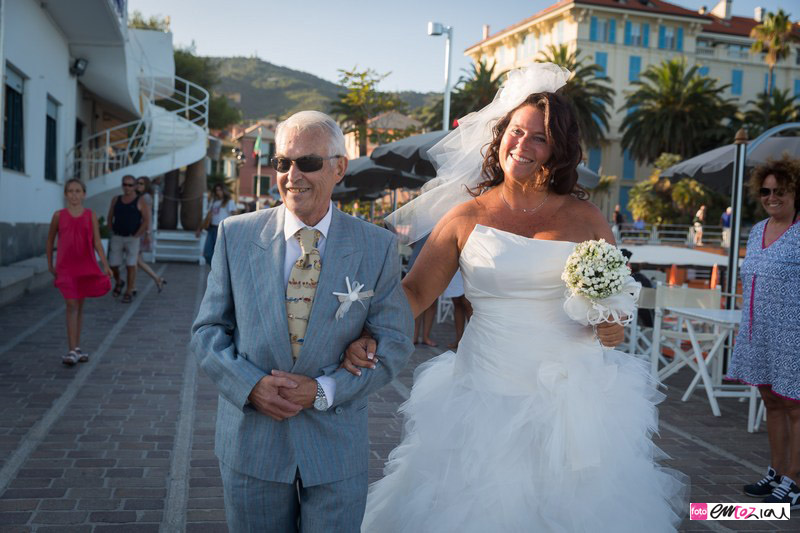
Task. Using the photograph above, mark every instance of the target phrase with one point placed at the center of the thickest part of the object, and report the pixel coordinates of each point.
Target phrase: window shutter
(628, 32)
(679, 40)
(646, 35)
(612, 30)
(662, 37)
(593, 29)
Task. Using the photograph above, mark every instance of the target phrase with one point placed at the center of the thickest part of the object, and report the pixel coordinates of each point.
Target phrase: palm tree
(473, 91)
(769, 110)
(587, 90)
(773, 37)
(674, 109)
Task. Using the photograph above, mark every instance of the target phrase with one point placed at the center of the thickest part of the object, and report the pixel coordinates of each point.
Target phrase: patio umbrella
(587, 177)
(365, 174)
(715, 167)
(409, 154)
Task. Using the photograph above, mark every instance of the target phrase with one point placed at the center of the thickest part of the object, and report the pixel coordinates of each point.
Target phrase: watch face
(320, 404)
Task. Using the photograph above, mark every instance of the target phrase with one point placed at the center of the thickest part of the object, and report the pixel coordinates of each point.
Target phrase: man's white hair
(315, 120)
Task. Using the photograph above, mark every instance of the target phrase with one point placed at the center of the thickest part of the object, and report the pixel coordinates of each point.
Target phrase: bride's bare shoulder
(459, 222)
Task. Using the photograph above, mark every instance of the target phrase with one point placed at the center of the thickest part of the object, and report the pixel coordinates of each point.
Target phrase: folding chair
(672, 334)
(640, 338)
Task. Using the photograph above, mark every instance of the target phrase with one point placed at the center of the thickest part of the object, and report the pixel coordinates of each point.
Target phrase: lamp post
(437, 28)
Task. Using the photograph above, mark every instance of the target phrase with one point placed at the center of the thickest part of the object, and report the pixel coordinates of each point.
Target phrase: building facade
(83, 96)
(624, 37)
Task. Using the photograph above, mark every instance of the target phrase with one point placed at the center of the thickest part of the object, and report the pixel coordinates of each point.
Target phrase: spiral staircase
(171, 133)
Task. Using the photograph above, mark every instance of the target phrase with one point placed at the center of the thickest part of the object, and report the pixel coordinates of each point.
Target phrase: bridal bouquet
(599, 285)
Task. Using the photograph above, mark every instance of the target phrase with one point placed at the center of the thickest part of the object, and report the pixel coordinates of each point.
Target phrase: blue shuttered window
(766, 81)
(736, 82)
(627, 32)
(662, 37)
(646, 35)
(634, 68)
(797, 88)
(593, 29)
(679, 40)
(595, 158)
(601, 58)
(13, 155)
(612, 31)
(628, 166)
(703, 71)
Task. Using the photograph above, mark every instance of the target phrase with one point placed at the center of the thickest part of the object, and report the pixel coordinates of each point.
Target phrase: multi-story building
(624, 37)
(85, 96)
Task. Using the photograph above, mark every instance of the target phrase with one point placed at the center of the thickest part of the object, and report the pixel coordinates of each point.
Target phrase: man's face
(128, 186)
(308, 194)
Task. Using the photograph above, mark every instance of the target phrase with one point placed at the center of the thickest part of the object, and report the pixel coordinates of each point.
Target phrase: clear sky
(319, 36)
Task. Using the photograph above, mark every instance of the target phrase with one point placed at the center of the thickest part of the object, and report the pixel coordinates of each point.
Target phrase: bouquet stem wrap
(619, 308)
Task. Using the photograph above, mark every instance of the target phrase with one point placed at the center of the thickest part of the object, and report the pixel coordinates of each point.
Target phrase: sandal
(160, 284)
(127, 298)
(70, 359)
(118, 288)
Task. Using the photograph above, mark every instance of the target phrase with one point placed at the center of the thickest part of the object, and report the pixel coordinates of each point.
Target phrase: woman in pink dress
(76, 273)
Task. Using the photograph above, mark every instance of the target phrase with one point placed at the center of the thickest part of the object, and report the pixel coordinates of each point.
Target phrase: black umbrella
(366, 175)
(409, 154)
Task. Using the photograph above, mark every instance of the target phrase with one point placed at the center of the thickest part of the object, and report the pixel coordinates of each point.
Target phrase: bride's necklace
(530, 210)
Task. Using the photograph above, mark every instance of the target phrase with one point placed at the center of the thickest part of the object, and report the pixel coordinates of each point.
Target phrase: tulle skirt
(573, 453)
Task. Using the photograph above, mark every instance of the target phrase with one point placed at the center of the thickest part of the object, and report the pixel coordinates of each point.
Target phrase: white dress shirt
(291, 225)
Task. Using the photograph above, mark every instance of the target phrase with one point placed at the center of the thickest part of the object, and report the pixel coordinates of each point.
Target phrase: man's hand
(610, 333)
(303, 394)
(266, 399)
(360, 353)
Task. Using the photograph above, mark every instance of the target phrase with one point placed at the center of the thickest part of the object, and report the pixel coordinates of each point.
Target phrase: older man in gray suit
(289, 289)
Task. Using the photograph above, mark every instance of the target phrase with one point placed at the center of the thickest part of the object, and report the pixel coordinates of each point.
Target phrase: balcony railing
(673, 234)
(126, 144)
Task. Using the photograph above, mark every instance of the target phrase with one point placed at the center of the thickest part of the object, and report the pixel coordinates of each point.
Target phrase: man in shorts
(128, 219)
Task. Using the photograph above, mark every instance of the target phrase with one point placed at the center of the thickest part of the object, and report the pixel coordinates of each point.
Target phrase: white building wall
(35, 47)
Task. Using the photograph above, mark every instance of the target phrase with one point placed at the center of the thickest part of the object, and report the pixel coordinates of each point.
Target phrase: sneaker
(786, 492)
(70, 359)
(82, 356)
(764, 486)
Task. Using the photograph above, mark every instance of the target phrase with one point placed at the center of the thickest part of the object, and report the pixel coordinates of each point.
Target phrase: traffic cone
(672, 276)
(714, 281)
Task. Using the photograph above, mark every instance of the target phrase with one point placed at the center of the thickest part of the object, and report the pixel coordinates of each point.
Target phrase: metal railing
(672, 234)
(128, 143)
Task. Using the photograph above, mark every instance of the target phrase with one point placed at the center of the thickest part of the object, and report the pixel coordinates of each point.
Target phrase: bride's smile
(524, 148)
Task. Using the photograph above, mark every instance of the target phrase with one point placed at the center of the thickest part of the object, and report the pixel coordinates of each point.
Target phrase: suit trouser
(253, 504)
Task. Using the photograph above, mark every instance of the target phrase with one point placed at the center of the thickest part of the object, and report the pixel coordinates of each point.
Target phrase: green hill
(263, 90)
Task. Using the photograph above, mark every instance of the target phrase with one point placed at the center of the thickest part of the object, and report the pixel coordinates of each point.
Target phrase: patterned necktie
(302, 286)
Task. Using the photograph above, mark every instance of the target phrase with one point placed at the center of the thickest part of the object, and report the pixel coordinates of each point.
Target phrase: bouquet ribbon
(612, 309)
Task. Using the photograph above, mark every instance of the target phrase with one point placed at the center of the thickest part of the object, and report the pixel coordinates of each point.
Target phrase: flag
(257, 150)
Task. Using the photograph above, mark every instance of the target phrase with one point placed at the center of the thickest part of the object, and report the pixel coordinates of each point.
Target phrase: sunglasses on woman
(307, 163)
(766, 191)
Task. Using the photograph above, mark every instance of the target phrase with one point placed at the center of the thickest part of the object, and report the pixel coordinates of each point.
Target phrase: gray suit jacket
(241, 334)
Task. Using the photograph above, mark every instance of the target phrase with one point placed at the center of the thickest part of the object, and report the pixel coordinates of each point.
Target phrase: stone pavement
(125, 442)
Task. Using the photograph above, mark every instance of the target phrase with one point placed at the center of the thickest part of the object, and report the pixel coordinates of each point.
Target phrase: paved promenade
(125, 442)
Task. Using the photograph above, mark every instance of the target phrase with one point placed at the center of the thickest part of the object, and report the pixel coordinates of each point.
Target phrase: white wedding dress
(531, 426)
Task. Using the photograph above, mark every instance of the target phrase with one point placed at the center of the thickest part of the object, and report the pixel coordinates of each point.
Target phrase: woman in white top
(144, 188)
(221, 208)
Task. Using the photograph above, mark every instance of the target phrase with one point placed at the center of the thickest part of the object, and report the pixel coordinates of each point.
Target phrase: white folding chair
(444, 309)
(673, 335)
(640, 338)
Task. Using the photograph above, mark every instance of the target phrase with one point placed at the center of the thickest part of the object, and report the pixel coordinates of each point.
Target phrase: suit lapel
(267, 253)
(342, 258)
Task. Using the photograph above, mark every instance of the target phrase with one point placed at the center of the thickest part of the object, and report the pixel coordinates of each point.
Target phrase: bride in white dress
(531, 425)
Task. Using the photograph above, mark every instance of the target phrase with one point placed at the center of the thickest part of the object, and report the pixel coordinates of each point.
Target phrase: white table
(724, 322)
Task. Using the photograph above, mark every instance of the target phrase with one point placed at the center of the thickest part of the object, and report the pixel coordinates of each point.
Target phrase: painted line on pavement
(31, 330)
(178, 487)
(711, 447)
(37, 433)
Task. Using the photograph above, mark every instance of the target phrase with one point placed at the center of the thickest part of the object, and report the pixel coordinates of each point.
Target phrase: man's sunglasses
(766, 191)
(129, 185)
(307, 163)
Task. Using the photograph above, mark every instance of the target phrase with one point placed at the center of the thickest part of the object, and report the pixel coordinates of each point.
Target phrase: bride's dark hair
(560, 172)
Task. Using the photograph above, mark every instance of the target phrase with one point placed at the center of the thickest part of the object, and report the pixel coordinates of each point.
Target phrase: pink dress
(77, 273)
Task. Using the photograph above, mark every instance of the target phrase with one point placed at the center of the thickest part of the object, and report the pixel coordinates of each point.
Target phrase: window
(637, 34)
(703, 71)
(738, 51)
(736, 82)
(628, 166)
(50, 140)
(670, 38)
(13, 155)
(766, 82)
(634, 68)
(601, 58)
(797, 88)
(603, 30)
(595, 158)
(560, 32)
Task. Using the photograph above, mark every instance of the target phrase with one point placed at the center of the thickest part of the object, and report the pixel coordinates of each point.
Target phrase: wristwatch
(320, 401)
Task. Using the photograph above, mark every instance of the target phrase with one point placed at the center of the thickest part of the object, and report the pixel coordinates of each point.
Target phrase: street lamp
(437, 28)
